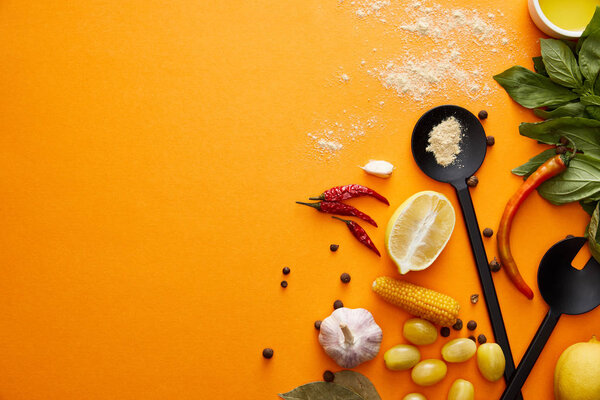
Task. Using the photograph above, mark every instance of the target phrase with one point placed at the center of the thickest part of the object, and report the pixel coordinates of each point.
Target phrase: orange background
(151, 154)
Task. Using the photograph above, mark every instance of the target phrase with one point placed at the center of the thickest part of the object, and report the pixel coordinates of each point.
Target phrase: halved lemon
(419, 230)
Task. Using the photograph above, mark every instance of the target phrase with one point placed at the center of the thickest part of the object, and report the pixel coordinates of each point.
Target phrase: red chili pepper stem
(313, 205)
(547, 170)
(347, 221)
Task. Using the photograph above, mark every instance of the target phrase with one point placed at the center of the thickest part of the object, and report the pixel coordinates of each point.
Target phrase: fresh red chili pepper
(339, 193)
(333, 207)
(360, 234)
(547, 170)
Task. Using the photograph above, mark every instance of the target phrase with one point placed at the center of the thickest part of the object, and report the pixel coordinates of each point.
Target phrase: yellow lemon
(419, 230)
(577, 373)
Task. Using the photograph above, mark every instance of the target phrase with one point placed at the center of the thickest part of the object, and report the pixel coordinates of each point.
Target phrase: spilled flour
(461, 38)
(328, 140)
(425, 53)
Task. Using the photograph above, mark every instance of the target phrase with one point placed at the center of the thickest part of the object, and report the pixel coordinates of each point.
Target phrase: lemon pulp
(419, 230)
(572, 15)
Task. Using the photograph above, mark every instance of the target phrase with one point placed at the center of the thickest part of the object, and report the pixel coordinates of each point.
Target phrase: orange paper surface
(151, 154)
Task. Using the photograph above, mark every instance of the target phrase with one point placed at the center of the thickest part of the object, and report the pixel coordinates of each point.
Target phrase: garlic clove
(350, 336)
(380, 168)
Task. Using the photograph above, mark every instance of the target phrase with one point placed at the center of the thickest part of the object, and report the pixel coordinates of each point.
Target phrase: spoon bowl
(564, 288)
(472, 145)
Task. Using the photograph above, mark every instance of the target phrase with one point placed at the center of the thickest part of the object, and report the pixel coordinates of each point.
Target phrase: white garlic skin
(380, 168)
(366, 336)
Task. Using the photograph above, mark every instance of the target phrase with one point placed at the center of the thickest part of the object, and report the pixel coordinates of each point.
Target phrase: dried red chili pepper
(333, 207)
(360, 234)
(547, 170)
(339, 193)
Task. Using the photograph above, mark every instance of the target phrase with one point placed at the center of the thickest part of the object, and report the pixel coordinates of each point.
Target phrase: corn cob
(418, 301)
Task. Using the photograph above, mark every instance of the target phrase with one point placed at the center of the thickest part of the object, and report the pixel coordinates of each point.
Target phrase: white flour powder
(440, 54)
(329, 140)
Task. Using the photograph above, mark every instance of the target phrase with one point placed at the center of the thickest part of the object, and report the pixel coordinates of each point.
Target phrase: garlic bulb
(350, 336)
(380, 168)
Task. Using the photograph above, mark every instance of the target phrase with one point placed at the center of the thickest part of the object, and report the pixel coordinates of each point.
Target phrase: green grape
(419, 331)
(490, 360)
(429, 372)
(401, 357)
(414, 396)
(459, 350)
(461, 390)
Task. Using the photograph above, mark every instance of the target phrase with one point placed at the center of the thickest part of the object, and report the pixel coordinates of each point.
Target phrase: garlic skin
(380, 168)
(350, 336)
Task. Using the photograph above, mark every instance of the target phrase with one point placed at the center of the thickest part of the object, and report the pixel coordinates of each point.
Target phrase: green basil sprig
(564, 90)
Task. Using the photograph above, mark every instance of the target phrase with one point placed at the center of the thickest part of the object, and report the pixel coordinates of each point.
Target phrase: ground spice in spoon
(444, 140)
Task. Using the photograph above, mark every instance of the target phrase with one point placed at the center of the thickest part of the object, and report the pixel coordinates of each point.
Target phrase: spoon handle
(531, 355)
(485, 276)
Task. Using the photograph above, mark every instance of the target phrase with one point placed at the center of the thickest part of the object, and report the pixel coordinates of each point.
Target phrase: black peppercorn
(267, 353)
(317, 324)
(490, 141)
(472, 181)
(494, 265)
(445, 331)
(334, 247)
(458, 325)
(284, 284)
(560, 150)
(481, 339)
(337, 304)
(285, 270)
(328, 376)
(471, 325)
(488, 232)
(482, 114)
(473, 338)
(345, 277)
(474, 298)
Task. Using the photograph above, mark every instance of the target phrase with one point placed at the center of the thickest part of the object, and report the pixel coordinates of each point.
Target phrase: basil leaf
(593, 233)
(592, 26)
(581, 180)
(321, 391)
(589, 56)
(568, 110)
(584, 132)
(533, 90)
(588, 206)
(590, 100)
(534, 163)
(560, 63)
(571, 44)
(596, 86)
(593, 112)
(358, 383)
(538, 66)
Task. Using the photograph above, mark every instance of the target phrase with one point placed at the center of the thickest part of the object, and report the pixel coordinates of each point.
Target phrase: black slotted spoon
(472, 152)
(567, 291)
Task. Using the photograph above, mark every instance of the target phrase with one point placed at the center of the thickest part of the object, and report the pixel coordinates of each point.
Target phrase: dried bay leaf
(321, 391)
(358, 383)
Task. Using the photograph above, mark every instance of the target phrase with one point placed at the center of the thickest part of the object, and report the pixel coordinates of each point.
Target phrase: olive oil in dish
(572, 15)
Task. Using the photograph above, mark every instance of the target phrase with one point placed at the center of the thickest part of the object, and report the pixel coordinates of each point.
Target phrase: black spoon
(567, 291)
(472, 152)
